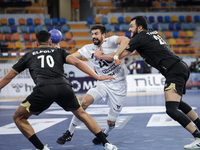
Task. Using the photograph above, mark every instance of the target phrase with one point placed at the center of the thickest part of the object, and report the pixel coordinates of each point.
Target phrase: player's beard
(135, 32)
(98, 41)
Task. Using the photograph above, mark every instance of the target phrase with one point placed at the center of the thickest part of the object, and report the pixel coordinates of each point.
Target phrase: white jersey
(104, 67)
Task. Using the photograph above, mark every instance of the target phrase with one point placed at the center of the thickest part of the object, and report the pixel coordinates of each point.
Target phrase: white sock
(74, 122)
(108, 129)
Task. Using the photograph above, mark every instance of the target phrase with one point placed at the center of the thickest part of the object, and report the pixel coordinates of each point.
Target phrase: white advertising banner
(18, 88)
(145, 83)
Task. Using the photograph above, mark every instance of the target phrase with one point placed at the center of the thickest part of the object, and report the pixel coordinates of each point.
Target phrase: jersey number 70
(49, 59)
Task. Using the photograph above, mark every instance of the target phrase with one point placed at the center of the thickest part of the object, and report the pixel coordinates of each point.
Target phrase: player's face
(97, 37)
(133, 28)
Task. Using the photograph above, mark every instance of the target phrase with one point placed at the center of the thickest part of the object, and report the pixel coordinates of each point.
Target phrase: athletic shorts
(42, 97)
(112, 92)
(177, 77)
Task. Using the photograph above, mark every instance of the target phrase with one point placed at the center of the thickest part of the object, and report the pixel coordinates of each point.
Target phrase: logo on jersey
(17, 86)
(128, 46)
(118, 106)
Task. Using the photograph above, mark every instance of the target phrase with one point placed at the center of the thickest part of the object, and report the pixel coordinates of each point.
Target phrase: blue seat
(164, 26)
(108, 27)
(163, 4)
(90, 20)
(62, 20)
(160, 18)
(155, 26)
(149, 26)
(185, 26)
(0, 29)
(167, 18)
(117, 27)
(171, 26)
(6, 29)
(39, 27)
(124, 27)
(178, 26)
(11, 21)
(65, 28)
(49, 27)
(181, 18)
(24, 29)
(55, 20)
(196, 18)
(47, 21)
(32, 28)
(104, 20)
(175, 34)
(120, 19)
(192, 26)
(29, 21)
(58, 27)
(13, 29)
(151, 19)
(128, 34)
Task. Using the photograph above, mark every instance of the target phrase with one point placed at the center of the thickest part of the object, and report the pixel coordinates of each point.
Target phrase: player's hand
(56, 45)
(118, 62)
(106, 77)
(98, 53)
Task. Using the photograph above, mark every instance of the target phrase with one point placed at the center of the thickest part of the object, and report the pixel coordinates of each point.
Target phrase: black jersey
(154, 50)
(45, 65)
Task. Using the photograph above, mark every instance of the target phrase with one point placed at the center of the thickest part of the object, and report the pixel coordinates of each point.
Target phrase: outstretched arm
(122, 41)
(7, 78)
(85, 68)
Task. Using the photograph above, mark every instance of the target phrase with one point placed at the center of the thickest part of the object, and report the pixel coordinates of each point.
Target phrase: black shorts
(177, 77)
(42, 97)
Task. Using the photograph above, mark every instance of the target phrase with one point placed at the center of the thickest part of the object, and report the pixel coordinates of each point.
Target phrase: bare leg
(87, 120)
(20, 118)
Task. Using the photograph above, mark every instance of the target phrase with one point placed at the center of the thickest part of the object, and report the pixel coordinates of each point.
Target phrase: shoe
(109, 146)
(66, 137)
(193, 145)
(96, 140)
(45, 148)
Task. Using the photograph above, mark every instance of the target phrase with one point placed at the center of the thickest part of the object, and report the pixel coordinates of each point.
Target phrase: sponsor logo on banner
(82, 84)
(145, 83)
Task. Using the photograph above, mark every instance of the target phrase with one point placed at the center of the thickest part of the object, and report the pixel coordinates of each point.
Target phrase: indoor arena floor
(142, 125)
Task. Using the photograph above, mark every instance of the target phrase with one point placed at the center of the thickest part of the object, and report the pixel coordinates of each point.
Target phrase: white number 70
(49, 60)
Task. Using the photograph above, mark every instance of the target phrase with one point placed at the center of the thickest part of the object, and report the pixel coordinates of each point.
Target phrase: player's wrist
(116, 57)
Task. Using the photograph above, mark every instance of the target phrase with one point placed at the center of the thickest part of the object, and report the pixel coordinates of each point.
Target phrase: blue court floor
(142, 125)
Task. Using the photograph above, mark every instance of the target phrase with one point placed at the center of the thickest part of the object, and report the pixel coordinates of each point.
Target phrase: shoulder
(112, 38)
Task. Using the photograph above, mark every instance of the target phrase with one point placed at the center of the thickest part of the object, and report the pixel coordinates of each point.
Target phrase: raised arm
(7, 78)
(85, 68)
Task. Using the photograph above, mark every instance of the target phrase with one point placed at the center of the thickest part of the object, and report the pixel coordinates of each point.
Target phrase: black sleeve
(65, 54)
(20, 65)
(133, 44)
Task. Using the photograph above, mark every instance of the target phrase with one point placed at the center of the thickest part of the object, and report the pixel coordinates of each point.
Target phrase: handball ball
(56, 36)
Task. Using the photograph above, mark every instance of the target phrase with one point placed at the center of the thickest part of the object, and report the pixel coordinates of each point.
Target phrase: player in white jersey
(114, 91)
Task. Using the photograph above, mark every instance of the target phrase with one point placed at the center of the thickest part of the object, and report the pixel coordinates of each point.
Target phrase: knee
(172, 109)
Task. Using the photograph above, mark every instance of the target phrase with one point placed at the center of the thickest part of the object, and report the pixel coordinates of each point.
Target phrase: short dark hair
(43, 36)
(101, 27)
(140, 21)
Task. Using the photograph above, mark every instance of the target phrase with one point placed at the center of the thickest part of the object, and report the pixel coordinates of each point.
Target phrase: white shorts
(114, 93)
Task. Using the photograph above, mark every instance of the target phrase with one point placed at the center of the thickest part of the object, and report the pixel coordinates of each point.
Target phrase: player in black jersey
(45, 65)
(155, 51)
